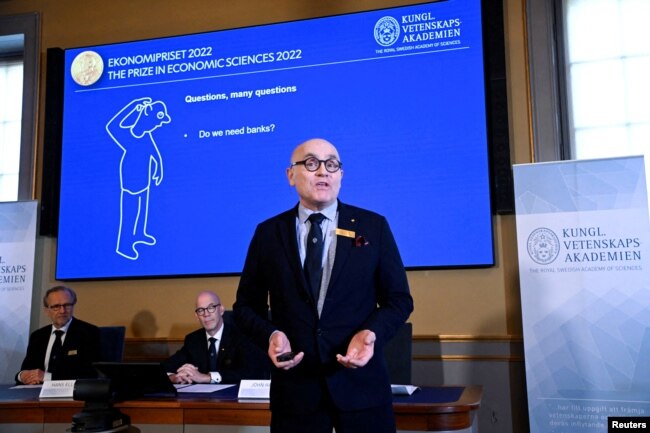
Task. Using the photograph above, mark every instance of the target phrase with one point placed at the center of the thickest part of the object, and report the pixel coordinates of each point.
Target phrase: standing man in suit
(64, 350)
(217, 352)
(333, 309)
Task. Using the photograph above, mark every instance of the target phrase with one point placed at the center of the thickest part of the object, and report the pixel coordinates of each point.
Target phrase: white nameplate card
(254, 389)
(403, 389)
(57, 389)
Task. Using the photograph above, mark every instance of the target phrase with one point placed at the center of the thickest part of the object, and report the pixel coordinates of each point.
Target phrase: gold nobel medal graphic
(86, 68)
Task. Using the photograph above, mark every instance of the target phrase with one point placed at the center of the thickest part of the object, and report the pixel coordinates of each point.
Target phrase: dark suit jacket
(368, 289)
(80, 349)
(237, 358)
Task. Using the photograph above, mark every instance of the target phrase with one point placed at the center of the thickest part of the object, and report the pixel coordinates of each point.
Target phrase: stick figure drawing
(131, 128)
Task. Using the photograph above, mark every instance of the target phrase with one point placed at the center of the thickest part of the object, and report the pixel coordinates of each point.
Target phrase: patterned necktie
(55, 352)
(212, 351)
(313, 266)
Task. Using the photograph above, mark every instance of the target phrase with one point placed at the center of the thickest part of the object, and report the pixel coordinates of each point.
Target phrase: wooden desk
(425, 410)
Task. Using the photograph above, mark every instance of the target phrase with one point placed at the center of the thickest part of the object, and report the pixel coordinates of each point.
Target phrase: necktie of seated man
(55, 352)
(212, 351)
(313, 266)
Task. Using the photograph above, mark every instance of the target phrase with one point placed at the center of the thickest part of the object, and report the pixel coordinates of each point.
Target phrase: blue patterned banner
(583, 233)
(17, 248)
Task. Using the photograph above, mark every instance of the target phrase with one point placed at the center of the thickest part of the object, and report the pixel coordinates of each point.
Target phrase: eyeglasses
(57, 307)
(312, 163)
(210, 309)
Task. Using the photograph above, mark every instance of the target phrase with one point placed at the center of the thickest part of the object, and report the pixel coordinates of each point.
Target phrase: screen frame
(496, 109)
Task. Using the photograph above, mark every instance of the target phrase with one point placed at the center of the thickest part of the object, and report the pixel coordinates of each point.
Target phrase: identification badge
(346, 233)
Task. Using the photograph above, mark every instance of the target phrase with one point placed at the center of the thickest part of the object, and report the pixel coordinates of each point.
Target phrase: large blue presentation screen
(174, 149)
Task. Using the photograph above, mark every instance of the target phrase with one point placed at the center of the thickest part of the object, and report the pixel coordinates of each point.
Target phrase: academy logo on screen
(386, 31)
(543, 246)
(422, 30)
(87, 68)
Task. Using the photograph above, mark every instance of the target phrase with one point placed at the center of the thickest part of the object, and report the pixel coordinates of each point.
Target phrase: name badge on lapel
(345, 233)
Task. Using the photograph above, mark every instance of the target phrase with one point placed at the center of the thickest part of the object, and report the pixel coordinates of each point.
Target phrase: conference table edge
(409, 416)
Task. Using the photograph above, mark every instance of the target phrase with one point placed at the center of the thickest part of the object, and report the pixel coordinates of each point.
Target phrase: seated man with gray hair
(63, 350)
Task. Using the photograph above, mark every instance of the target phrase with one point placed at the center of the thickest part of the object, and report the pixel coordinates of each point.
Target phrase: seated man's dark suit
(237, 358)
(81, 347)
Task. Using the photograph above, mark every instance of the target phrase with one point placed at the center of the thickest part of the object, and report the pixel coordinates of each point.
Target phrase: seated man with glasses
(217, 352)
(64, 350)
